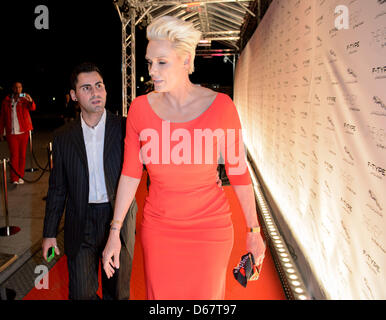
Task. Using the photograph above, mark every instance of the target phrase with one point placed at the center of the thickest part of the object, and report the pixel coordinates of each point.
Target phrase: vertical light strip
(289, 275)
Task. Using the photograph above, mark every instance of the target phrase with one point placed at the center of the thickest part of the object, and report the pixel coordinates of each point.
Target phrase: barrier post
(50, 159)
(7, 230)
(50, 162)
(31, 169)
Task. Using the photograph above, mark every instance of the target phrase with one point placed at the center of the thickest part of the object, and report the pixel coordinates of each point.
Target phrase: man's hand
(48, 243)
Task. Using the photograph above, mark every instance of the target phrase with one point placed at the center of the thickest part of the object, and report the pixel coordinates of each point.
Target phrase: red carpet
(268, 287)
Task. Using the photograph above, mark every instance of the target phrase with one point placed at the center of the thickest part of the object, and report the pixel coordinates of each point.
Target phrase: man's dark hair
(80, 68)
(16, 81)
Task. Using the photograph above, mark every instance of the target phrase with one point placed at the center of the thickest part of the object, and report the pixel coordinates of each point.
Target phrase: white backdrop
(312, 101)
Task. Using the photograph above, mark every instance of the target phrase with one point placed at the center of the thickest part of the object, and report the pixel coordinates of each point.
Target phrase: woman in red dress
(181, 131)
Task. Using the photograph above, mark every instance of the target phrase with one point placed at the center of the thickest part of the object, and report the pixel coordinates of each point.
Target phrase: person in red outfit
(181, 131)
(16, 120)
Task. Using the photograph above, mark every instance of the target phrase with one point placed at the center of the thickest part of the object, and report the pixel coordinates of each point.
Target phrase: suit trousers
(17, 144)
(84, 266)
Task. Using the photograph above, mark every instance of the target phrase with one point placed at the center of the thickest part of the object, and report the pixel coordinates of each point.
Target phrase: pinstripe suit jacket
(69, 183)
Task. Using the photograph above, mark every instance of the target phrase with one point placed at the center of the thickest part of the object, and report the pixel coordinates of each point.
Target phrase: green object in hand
(50, 254)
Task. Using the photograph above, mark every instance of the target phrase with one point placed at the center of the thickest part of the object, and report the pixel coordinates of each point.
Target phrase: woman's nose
(152, 70)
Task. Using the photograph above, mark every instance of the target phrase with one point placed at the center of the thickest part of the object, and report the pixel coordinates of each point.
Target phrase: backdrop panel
(311, 99)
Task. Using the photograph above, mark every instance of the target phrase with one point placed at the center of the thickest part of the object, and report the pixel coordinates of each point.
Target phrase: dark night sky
(83, 30)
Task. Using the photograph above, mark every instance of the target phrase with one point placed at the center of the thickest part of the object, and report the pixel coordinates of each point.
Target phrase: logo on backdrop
(372, 196)
(381, 108)
(348, 153)
(355, 19)
(319, 21)
(379, 102)
(349, 128)
(379, 136)
(330, 124)
(372, 264)
(351, 71)
(351, 102)
(378, 38)
(346, 233)
(374, 204)
(329, 167)
(353, 47)
(331, 101)
(346, 205)
(376, 170)
(332, 56)
(379, 72)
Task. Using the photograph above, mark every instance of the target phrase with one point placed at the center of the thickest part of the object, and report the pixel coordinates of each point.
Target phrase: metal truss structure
(219, 21)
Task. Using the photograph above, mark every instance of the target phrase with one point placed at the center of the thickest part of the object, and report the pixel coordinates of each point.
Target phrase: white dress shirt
(94, 138)
(15, 120)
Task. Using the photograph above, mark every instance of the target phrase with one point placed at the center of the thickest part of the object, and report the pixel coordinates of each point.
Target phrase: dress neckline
(182, 122)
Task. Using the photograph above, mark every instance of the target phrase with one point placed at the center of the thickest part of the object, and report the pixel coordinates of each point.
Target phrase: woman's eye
(149, 64)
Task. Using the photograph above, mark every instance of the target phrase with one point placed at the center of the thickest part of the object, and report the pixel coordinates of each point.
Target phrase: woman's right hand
(110, 255)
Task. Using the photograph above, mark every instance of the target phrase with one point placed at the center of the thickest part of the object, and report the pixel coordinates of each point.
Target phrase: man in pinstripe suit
(88, 155)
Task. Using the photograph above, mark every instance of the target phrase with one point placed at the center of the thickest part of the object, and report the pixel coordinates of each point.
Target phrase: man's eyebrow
(89, 85)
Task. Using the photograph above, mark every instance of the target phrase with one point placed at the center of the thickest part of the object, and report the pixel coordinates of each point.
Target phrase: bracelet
(253, 230)
(116, 222)
(114, 228)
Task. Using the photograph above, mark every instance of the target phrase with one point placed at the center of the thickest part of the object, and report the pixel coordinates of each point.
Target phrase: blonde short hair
(181, 33)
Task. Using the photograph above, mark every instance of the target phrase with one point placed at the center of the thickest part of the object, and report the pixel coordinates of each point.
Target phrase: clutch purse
(246, 270)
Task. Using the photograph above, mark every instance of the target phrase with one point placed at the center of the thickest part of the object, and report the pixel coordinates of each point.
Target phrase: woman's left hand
(256, 245)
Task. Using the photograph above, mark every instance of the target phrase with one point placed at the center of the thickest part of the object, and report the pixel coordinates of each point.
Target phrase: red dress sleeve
(232, 149)
(132, 162)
